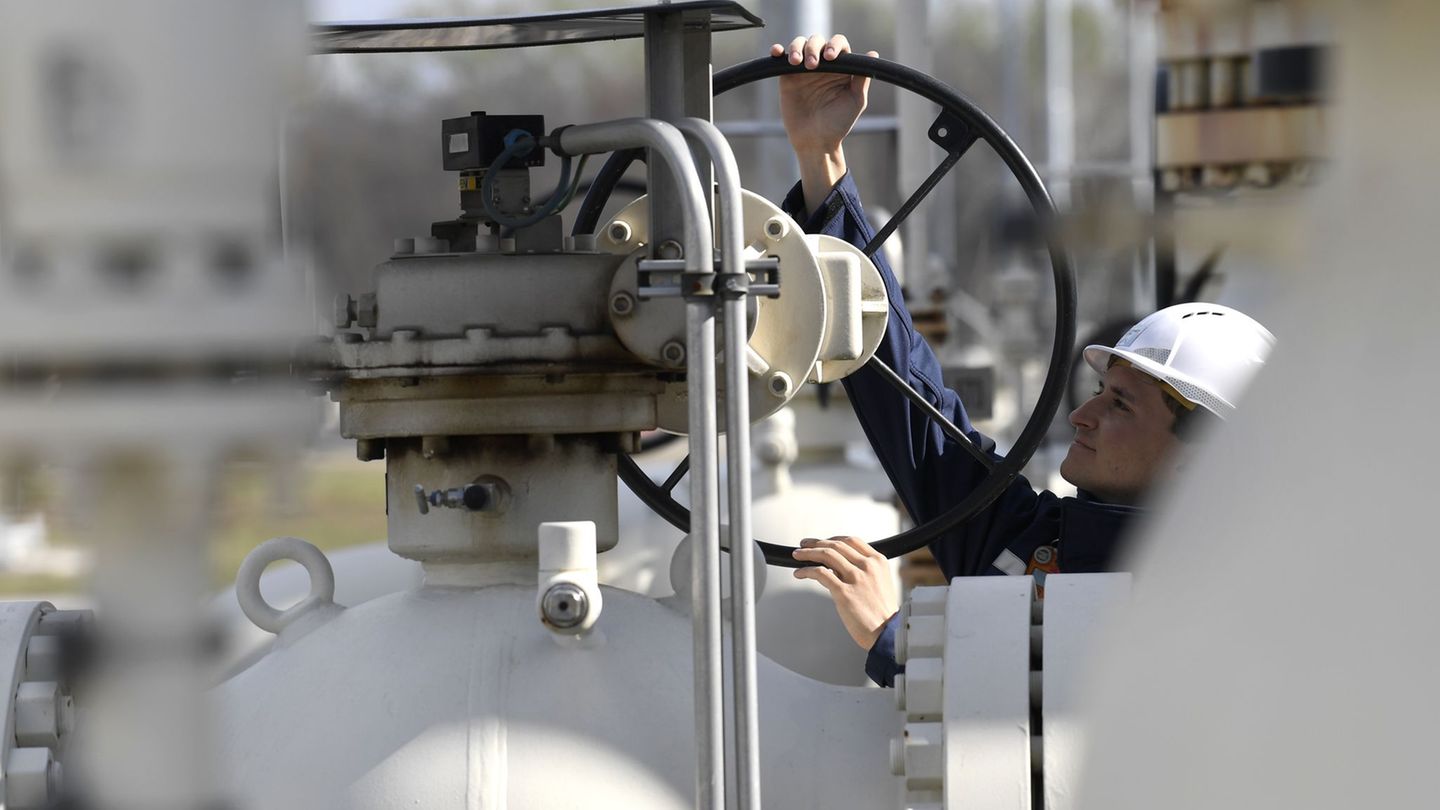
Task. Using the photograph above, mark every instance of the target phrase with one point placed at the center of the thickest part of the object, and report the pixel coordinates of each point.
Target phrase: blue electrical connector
(519, 143)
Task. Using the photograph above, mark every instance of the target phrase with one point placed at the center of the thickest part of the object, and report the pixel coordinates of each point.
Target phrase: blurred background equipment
(155, 286)
(147, 322)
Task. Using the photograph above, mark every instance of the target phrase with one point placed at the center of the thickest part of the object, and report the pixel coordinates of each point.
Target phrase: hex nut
(619, 232)
(779, 384)
(39, 713)
(431, 244)
(31, 776)
(622, 304)
(370, 449)
(673, 353)
(42, 658)
(343, 311)
(367, 310)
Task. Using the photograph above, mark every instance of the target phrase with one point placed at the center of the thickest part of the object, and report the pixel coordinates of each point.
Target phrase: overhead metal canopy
(484, 33)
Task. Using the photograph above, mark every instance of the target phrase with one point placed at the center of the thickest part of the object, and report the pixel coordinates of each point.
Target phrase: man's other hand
(819, 110)
(858, 577)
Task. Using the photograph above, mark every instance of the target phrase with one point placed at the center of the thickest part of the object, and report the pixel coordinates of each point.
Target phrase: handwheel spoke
(676, 475)
(919, 400)
(915, 199)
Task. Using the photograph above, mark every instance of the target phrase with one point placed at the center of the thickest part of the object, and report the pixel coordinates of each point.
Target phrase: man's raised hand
(819, 110)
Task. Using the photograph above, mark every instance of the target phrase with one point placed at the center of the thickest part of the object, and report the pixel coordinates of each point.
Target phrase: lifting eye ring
(247, 583)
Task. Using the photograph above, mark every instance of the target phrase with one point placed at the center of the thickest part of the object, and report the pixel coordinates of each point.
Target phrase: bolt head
(779, 384)
(367, 310)
(370, 449)
(622, 303)
(673, 353)
(670, 249)
(619, 232)
(343, 311)
(564, 606)
(776, 228)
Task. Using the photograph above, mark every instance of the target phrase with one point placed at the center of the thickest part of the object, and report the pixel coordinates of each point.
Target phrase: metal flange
(40, 709)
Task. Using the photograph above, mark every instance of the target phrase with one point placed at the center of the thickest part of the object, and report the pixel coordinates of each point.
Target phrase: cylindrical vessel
(457, 697)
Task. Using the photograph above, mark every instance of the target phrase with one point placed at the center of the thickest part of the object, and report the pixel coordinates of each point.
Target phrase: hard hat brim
(1098, 358)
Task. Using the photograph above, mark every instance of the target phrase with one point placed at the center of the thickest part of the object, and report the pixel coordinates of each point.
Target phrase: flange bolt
(619, 232)
(673, 353)
(344, 311)
(622, 304)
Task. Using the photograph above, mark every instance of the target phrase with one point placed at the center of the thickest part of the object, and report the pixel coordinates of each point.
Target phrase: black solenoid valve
(473, 142)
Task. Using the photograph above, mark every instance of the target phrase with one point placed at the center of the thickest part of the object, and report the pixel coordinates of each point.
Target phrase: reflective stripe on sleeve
(1010, 563)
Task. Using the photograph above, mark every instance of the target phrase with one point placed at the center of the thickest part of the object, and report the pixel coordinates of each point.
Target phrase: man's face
(1123, 438)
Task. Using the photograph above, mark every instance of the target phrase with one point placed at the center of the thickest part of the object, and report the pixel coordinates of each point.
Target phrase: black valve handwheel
(959, 126)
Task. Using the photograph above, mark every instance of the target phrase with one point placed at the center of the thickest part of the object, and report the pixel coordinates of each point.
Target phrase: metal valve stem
(478, 497)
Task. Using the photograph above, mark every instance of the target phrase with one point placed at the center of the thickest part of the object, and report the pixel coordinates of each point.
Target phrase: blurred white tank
(458, 697)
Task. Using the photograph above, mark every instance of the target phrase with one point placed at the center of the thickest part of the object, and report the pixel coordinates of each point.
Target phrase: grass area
(336, 503)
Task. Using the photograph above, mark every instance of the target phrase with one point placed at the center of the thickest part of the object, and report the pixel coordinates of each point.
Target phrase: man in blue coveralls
(1182, 366)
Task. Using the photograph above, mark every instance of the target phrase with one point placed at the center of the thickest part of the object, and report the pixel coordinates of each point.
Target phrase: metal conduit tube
(737, 446)
(666, 141)
(705, 548)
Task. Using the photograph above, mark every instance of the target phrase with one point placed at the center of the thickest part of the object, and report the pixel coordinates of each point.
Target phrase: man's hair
(1191, 419)
(1189, 422)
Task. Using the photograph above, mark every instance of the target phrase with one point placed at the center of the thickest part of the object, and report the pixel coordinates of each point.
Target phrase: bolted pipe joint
(568, 597)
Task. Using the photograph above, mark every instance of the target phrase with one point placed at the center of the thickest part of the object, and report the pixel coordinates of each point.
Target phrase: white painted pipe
(665, 141)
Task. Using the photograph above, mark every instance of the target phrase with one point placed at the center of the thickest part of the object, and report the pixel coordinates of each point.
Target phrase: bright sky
(336, 10)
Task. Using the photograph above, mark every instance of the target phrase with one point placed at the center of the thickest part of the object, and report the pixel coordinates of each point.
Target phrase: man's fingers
(830, 558)
(837, 45)
(824, 576)
(777, 49)
(797, 50)
(813, 46)
(864, 548)
(845, 547)
(875, 54)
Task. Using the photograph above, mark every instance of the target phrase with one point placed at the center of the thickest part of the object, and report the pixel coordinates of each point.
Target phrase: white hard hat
(1205, 352)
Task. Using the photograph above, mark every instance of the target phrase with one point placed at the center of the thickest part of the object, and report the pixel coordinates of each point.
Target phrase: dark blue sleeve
(880, 662)
(930, 472)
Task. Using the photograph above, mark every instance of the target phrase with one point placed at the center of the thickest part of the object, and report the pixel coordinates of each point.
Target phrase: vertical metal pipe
(733, 290)
(705, 557)
(665, 101)
(1060, 98)
(1141, 41)
(669, 144)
